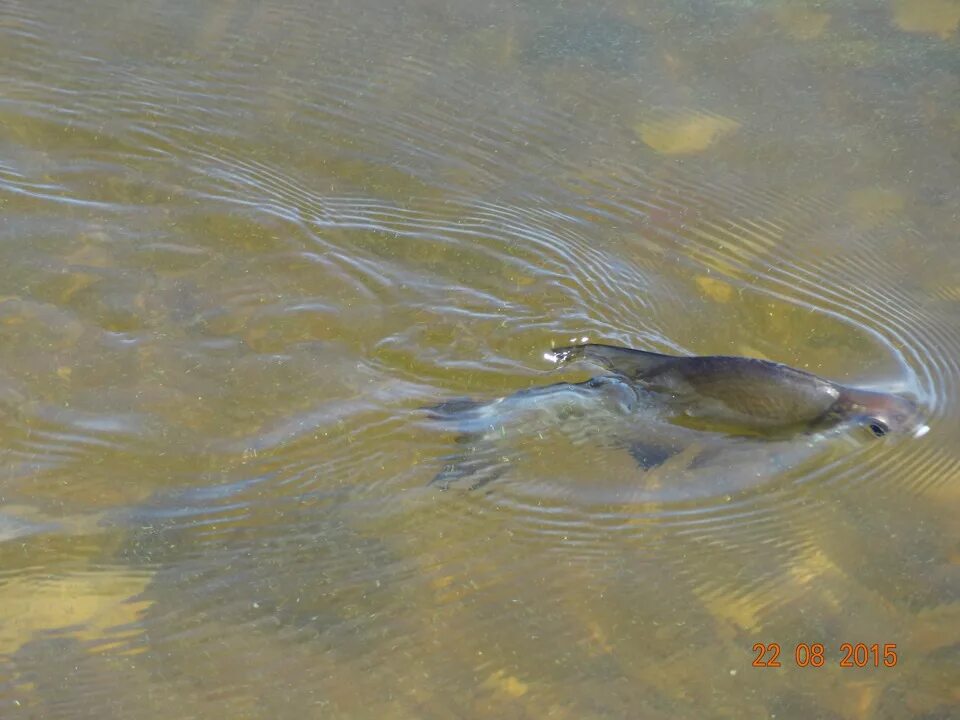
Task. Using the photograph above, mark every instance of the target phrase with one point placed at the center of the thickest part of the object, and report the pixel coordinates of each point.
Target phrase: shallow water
(244, 243)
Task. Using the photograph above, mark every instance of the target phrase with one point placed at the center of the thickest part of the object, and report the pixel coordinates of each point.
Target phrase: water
(244, 243)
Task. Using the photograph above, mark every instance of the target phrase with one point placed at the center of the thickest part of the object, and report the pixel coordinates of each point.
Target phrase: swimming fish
(748, 394)
(737, 396)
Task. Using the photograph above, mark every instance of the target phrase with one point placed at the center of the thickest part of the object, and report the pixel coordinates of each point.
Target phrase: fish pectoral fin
(630, 363)
(479, 465)
(649, 456)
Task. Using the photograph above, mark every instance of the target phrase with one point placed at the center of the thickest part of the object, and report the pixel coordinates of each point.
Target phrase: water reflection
(244, 243)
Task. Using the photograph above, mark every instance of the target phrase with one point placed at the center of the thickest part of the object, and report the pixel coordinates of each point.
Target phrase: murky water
(244, 243)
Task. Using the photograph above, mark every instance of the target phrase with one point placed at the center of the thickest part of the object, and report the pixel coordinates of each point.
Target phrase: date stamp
(849, 655)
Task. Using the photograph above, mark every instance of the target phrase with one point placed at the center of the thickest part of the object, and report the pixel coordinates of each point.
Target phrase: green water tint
(243, 244)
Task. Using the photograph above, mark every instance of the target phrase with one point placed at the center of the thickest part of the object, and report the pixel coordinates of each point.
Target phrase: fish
(750, 394)
(627, 408)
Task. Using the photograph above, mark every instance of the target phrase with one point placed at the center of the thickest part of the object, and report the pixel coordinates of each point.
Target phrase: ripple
(448, 209)
(729, 232)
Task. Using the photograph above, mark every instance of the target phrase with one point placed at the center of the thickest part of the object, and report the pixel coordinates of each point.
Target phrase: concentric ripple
(760, 247)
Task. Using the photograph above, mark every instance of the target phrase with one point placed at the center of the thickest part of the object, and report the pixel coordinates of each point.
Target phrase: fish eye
(879, 428)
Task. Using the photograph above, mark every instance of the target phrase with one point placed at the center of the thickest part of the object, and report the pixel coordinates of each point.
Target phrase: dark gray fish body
(731, 395)
(726, 392)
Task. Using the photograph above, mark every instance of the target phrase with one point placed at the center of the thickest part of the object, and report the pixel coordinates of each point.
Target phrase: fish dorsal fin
(627, 362)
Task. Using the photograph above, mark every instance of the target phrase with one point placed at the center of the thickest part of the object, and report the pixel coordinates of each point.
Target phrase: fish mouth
(921, 430)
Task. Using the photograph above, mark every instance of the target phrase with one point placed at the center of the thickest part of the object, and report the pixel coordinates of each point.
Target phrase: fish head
(883, 413)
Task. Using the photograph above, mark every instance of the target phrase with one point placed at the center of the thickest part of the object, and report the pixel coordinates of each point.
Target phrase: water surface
(243, 243)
